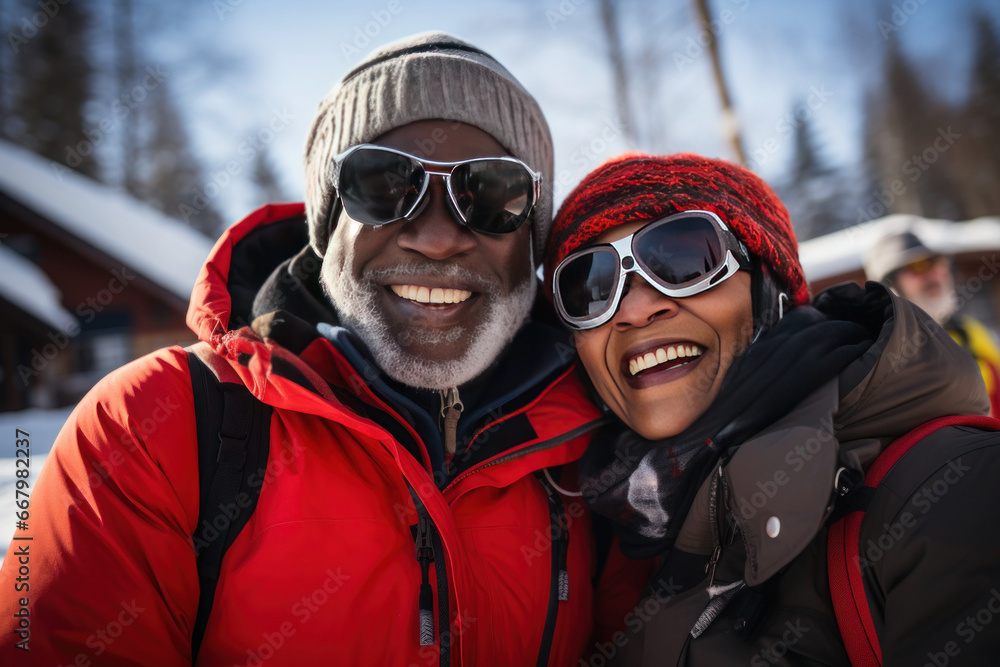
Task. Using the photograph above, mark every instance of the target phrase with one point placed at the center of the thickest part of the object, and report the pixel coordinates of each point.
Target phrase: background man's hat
(892, 252)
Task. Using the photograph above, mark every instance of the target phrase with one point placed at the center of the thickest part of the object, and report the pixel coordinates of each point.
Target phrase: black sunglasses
(490, 195)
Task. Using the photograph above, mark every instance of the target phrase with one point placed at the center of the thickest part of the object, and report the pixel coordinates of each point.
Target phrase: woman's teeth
(662, 355)
(430, 295)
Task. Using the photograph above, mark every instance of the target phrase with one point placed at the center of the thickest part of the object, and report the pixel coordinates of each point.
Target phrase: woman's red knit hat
(635, 187)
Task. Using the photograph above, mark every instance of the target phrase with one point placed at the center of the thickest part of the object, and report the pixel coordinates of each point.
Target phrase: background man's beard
(941, 308)
(357, 303)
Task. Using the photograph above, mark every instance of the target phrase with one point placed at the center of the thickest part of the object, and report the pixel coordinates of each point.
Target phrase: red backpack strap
(847, 588)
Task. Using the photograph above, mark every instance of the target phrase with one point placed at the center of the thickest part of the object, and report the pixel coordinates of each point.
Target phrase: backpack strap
(847, 587)
(233, 441)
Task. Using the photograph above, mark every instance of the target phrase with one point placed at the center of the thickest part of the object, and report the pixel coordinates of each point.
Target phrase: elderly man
(902, 261)
(407, 504)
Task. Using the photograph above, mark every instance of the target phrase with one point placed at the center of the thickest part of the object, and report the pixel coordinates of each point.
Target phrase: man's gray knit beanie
(427, 76)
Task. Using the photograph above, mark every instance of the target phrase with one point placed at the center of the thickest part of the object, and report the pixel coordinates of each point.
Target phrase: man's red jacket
(325, 571)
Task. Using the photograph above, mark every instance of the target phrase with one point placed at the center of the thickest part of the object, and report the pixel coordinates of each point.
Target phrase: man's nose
(435, 232)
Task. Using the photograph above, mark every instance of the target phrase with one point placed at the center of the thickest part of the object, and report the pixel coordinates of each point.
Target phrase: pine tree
(176, 184)
(55, 71)
(906, 121)
(806, 162)
(984, 86)
(981, 171)
(266, 180)
(905, 117)
(813, 193)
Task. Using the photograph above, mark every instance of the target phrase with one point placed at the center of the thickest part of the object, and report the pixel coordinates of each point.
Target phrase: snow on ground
(42, 427)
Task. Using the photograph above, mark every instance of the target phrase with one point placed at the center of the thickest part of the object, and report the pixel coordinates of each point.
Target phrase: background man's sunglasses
(491, 195)
(680, 255)
(922, 266)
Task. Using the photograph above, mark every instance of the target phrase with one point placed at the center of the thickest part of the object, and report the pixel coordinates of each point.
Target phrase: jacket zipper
(427, 540)
(427, 544)
(713, 517)
(559, 579)
(425, 556)
(451, 411)
(445, 637)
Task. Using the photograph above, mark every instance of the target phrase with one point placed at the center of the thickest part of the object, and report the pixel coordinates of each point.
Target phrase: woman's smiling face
(659, 362)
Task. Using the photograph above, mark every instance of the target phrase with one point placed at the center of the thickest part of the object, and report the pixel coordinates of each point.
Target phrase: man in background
(903, 262)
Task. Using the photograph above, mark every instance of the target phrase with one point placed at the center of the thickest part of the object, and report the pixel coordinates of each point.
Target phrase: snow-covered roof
(161, 249)
(25, 285)
(843, 252)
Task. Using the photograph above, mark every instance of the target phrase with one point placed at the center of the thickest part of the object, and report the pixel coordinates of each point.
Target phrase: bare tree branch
(619, 72)
(730, 126)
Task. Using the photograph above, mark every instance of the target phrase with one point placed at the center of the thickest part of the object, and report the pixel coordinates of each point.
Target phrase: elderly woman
(753, 420)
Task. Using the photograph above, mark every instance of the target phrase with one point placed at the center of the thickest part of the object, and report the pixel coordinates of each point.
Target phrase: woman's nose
(642, 303)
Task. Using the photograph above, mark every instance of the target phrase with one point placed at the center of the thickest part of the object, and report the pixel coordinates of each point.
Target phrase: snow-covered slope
(42, 427)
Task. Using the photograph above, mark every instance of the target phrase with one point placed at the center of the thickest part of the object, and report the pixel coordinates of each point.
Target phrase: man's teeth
(430, 295)
(662, 355)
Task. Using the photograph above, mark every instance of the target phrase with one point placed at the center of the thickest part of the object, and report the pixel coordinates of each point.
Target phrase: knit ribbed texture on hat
(635, 187)
(425, 77)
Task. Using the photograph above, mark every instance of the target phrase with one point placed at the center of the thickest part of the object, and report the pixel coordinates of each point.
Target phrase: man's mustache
(448, 270)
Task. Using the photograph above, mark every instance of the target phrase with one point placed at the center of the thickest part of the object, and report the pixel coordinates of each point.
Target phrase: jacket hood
(913, 373)
(242, 261)
(781, 484)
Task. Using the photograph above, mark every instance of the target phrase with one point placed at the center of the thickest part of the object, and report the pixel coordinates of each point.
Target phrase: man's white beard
(941, 308)
(357, 303)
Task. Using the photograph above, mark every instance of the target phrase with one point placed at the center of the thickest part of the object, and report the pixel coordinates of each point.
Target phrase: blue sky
(810, 56)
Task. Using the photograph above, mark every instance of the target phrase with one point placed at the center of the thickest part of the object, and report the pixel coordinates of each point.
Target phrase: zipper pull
(712, 562)
(451, 411)
(425, 556)
(563, 569)
(563, 549)
(561, 543)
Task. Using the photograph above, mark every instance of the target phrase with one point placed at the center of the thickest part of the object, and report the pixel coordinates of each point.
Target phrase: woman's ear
(770, 302)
